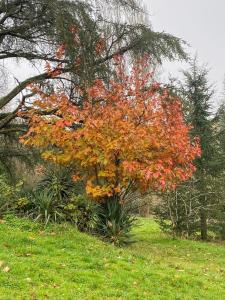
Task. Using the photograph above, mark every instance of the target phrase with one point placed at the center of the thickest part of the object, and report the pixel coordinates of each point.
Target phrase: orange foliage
(128, 134)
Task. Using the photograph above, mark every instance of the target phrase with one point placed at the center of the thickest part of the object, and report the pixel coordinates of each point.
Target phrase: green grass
(61, 263)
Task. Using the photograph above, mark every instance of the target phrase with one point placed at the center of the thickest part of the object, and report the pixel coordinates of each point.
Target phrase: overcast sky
(199, 22)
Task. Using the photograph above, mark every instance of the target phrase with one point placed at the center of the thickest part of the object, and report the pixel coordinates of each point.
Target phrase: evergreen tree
(199, 204)
(197, 99)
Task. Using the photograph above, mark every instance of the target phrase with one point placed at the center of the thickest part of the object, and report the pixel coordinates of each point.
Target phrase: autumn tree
(128, 135)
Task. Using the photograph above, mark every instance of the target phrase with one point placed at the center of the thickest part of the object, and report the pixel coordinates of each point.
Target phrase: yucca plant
(114, 222)
(56, 182)
(45, 208)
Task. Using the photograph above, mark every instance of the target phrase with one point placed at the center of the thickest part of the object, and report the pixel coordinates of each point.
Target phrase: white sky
(201, 23)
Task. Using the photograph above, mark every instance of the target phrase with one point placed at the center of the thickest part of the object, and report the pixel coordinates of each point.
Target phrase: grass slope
(63, 264)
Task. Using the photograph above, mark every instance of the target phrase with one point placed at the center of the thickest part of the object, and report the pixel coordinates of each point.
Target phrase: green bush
(82, 212)
(10, 197)
(57, 199)
(44, 207)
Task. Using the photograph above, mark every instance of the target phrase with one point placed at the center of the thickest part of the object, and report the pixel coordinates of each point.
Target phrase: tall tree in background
(198, 94)
(198, 205)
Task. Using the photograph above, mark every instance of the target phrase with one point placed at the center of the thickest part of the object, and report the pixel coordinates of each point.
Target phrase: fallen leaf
(28, 254)
(6, 269)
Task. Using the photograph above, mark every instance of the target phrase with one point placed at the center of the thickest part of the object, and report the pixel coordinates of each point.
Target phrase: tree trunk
(203, 220)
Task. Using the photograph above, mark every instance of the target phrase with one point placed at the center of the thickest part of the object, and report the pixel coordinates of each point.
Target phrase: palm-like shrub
(56, 182)
(44, 207)
(114, 222)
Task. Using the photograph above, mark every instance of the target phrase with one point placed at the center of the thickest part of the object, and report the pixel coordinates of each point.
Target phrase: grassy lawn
(61, 263)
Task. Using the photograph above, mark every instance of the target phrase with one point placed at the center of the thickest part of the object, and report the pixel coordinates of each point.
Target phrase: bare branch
(10, 116)
(38, 78)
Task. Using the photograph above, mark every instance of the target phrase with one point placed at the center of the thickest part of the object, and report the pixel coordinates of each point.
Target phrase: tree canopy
(129, 134)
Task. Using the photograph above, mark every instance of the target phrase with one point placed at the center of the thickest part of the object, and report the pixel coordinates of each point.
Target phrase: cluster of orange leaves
(129, 133)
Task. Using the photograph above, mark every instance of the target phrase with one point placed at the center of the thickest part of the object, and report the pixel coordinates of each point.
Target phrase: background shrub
(10, 197)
